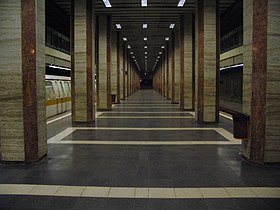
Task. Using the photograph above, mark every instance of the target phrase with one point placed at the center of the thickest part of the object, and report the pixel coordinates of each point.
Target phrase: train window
(67, 89)
(55, 88)
(60, 89)
(50, 94)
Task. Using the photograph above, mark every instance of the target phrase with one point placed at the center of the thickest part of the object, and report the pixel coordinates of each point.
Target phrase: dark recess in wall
(57, 18)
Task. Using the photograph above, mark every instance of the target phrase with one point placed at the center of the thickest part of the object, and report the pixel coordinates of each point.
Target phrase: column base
(23, 162)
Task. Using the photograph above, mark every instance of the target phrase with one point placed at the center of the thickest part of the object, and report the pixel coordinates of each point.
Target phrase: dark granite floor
(140, 166)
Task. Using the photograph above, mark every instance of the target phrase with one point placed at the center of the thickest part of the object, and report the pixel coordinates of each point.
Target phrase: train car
(58, 95)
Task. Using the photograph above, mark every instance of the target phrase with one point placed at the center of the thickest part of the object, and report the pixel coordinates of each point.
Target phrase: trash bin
(113, 97)
(240, 126)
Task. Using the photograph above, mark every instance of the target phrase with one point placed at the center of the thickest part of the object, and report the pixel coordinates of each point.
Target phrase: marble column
(172, 56)
(261, 93)
(163, 74)
(121, 59)
(114, 67)
(167, 74)
(186, 59)
(23, 135)
(82, 61)
(207, 61)
(170, 68)
(124, 71)
(104, 101)
(118, 68)
(176, 68)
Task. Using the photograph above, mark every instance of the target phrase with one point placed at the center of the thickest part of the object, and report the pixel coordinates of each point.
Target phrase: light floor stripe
(227, 135)
(139, 192)
(151, 143)
(148, 107)
(146, 117)
(226, 116)
(59, 118)
(175, 112)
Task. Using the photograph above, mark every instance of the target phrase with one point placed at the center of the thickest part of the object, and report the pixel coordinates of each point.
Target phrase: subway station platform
(144, 154)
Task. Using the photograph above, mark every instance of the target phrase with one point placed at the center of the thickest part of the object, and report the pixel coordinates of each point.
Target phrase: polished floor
(144, 154)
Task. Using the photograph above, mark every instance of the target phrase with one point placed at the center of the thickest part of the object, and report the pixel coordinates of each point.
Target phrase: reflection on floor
(144, 154)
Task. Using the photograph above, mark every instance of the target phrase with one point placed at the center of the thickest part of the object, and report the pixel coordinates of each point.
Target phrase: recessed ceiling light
(133, 56)
(160, 53)
(128, 46)
(158, 57)
(167, 38)
(162, 47)
(181, 3)
(131, 53)
(107, 3)
(145, 38)
(145, 56)
(145, 25)
(146, 53)
(118, 25)
(172, 25)
(144, 3)
(145, 46)
(124, 39)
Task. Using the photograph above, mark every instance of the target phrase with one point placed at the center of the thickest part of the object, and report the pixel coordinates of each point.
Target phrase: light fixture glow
(133, 56)
(118, 25)
(107, 3)
(131, 53)
(172, 25)
(128, 46)
(167, 38)
(234, 66)
(145, 56)
(145, 46)
(145, 25)
(160, 53)
(146, 53)
(58, 67)
(124, 39)
(144, 3)
(162, 47)
(158, 57)
(145, 38)
(181, 3)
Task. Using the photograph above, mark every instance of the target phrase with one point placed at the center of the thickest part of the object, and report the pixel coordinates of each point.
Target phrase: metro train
(58, 94)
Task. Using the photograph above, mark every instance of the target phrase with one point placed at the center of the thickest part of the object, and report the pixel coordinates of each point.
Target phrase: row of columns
(189, 72)
(96, 52)
(22, 72)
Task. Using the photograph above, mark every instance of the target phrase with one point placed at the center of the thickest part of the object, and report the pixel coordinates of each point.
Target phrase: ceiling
(158, 15)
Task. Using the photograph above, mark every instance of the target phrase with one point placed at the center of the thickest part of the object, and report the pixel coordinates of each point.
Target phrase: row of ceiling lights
(145, 25)
(144, 3)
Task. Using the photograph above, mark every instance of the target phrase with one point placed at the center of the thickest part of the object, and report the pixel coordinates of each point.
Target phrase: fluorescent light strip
(107, 3)
(58, 67)
(172, 25)
(145, 25)
(118, 25)
(181, 3)
(144, 3)
(145, 38)
(167, 38)
(128, 46)
(234, 66)
(145, 47)
(124, 39)
(162, 47)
